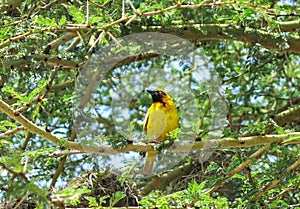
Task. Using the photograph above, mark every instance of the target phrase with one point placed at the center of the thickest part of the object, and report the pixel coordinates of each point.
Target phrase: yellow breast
(161, 118)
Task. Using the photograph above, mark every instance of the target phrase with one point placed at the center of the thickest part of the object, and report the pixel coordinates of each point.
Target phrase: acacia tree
(254, 49)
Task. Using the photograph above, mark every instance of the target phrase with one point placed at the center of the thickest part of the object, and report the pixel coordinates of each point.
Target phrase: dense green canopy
(72, 103)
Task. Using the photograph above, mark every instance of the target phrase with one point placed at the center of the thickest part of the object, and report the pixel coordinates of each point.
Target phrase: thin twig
(19, 174)
(96, 4)
(242, 166)
(62, 162)
(96, 41)
(37, 99)
(63, 154)
(275, 182)
(21, 201)
(13, 131)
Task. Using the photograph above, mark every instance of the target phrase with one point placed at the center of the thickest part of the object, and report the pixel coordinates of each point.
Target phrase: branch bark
(275, 182)
(33, 128)
(160, 182)
(50, 60)
(290, 138)
(209, 32)
(239, 168)
(290, 115)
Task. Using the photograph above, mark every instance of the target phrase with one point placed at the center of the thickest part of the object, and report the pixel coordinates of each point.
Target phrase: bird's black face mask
(157, 96)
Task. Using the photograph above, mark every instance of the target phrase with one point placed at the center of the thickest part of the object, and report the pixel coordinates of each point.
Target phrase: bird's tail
(148, 167)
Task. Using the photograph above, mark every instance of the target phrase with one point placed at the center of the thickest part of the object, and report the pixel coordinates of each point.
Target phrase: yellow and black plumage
(161, 118)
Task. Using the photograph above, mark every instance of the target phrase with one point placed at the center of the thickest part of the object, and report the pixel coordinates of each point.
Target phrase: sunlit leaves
(194, 196)
(258, 84)
(46, 21)
(63, 20)
(26, 99)
(71, 195)
(77, 14)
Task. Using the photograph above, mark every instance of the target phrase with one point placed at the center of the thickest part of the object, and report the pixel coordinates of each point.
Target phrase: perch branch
(290, 138)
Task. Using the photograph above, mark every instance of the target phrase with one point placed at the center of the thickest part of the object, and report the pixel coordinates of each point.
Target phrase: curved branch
(290, 115)
(291, 138)
(208, 32)
(33, 128)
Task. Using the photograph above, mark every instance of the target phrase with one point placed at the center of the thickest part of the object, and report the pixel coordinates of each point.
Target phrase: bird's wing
(155, 124)
(146, 120)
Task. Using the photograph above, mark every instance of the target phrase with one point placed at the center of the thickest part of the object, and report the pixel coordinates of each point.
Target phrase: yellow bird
(161, 118)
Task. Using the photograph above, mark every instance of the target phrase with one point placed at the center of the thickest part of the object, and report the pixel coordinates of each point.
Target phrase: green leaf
(102, 200)
(5, 125)
(32, 188)
(46, 21)
(116, 197)
(41, 85)
(72, 194)
(13, 93)
(76, 13)
(92, 201)
(63, 20)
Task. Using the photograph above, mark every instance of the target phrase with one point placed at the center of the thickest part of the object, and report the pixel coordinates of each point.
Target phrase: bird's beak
(150, 92)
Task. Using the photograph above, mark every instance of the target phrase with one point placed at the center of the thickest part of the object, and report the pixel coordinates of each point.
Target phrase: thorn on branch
(47, 49)
(242, 141)
(47, 129)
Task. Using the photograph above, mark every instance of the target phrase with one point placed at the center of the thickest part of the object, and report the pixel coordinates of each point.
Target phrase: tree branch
(294, 101)
(33, 128)
(275, 182)
(291, 138)
(290, 115)
(19, 174)
(209, 32)
(239, 168)
(160, 182)
(53, 45)
(13, 131)
(289, 26)
(62, 162)
(48, 59)
(200, 32)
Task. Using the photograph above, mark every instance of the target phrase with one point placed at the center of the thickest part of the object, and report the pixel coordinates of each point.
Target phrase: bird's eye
(162, 94)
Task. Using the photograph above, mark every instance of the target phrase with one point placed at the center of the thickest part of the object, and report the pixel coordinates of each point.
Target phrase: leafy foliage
(194, 196)
(254, 49)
